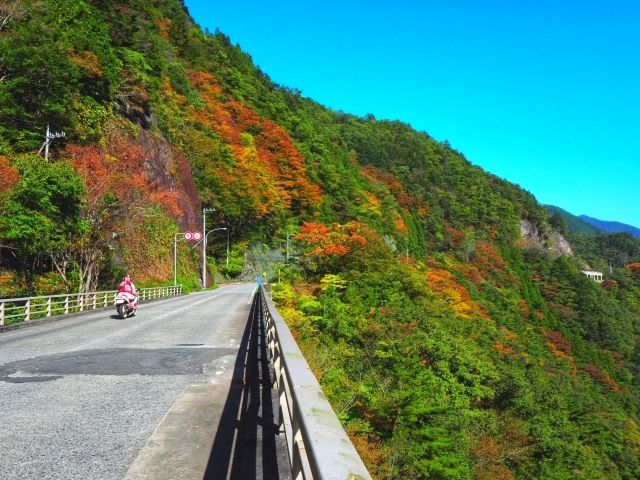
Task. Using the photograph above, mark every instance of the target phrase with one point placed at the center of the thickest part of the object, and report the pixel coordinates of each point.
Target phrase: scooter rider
(127, 287)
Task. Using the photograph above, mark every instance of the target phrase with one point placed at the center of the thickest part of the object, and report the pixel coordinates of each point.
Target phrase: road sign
(197, 236)
(188, 235)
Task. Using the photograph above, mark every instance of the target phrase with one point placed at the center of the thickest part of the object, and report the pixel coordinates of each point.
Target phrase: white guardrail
(25, 309)
(319, 448)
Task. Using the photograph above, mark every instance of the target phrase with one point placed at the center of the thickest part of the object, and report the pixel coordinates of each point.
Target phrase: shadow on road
(247, 444)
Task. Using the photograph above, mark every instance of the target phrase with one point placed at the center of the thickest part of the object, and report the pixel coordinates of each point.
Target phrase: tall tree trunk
(61, 262)
(89, 269)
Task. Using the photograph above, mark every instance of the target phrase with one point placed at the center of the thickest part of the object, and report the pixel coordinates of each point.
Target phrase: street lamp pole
(216, 229)
(204, 239)
(204, 245)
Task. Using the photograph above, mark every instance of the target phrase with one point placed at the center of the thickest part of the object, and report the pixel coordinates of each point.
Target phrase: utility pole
(286, 257)
(228, 230)
(204, 245)
(49, 137)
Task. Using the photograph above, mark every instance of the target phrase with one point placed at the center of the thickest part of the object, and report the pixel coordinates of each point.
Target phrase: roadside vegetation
(449, 346)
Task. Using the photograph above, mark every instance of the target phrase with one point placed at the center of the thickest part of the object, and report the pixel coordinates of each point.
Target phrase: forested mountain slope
(450, 345)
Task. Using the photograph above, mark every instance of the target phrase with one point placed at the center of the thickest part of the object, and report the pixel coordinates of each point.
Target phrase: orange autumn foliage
(454, 236)
(90, 164)
(472, 273)
(504, 350)
(561, 348)
(334, 240)
(486, 448)
(487, 258)
(391, 182)
(444, 282)
(163, 26)
(525, 311)
(269, 173)
(511, 345)
(399, 224)
(118, 170)
(603, 378)
(559, 345)
(9, 175)
(634, 269)
(491, 455)
(370, 448)
(119, 199)
(169, 200)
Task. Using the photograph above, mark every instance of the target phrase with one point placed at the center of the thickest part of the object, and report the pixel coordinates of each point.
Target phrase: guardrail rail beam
(318, 446)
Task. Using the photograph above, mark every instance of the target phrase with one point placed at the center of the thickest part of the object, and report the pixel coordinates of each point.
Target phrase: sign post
(189, 236)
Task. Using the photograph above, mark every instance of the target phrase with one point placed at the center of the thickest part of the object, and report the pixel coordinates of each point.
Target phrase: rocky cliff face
(544, 238)
(169, 169)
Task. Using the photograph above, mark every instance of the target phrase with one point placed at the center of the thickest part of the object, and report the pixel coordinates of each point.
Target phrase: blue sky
(543, 93)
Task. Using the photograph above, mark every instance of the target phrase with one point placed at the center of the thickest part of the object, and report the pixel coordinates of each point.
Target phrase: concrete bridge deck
(180, 391)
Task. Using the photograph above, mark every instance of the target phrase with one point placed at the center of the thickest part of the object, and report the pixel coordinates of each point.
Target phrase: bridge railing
(25, 309)
(318, 446)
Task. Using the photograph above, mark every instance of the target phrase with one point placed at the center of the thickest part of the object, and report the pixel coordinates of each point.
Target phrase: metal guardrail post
(1, 313)
(318, 446)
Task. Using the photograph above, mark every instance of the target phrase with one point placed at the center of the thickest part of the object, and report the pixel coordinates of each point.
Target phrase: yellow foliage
(336, 281)
(88, 61)
(372, 204)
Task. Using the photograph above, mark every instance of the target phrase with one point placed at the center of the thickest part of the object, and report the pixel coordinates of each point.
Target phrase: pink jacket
(127, 286)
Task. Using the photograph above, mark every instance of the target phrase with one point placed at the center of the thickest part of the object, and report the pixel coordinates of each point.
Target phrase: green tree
(41, 215)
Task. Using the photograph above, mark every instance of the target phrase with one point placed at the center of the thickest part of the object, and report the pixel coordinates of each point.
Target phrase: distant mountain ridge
(611, 227)
(586, 225)
(574, 223)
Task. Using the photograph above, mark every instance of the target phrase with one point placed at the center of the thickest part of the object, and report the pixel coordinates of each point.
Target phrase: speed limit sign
(188, 235)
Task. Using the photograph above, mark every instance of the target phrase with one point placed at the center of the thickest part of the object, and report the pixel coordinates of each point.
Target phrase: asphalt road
(80, 398)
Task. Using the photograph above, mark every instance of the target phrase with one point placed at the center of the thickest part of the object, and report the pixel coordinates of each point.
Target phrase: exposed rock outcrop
(544, 238)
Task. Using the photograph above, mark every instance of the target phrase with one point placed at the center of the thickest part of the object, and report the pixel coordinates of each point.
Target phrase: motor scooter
(126, 304)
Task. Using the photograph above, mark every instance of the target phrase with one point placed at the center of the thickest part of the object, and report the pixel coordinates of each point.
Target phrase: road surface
(97, 397)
